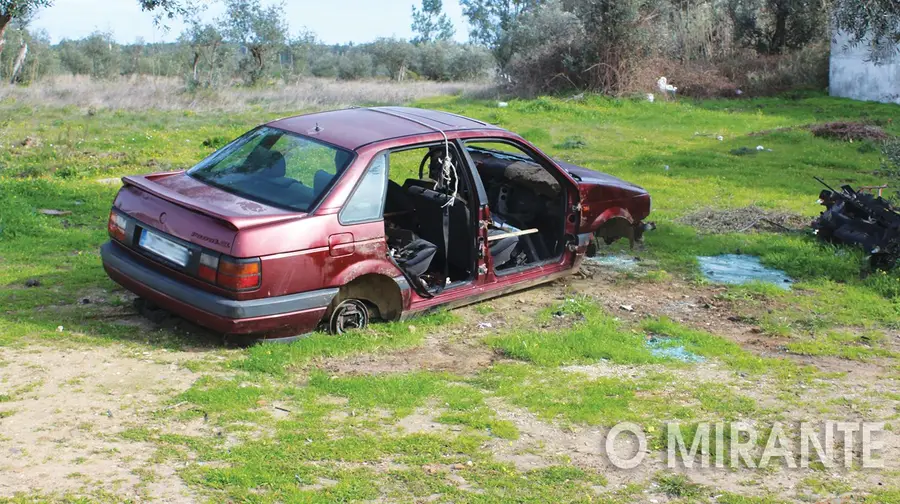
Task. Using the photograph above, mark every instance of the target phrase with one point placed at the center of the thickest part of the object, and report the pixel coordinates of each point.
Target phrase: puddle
(741, 269)
(667, 348)
(616, 262)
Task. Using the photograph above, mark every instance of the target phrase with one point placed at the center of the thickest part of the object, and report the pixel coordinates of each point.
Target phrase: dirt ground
(64, 409)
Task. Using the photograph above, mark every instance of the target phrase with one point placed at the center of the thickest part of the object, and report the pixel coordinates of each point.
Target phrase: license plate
(165, 248)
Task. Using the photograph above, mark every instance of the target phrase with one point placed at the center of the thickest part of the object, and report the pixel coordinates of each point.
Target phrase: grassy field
(508, 400)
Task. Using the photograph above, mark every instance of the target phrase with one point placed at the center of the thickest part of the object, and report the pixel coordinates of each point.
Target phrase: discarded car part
(351, 314)
(863, 219)
(297, 224)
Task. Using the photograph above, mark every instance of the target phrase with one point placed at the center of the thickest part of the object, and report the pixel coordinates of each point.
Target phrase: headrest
(269, 163)
(321, 180)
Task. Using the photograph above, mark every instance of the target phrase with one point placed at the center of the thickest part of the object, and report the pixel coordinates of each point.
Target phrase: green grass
(597, 337)
(280, 358)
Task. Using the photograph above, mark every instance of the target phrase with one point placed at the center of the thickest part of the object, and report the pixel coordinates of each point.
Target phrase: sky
(333, 21)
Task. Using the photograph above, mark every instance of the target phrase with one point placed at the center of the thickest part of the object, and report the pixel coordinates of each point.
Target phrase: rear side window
(367, 201)
(274, 167)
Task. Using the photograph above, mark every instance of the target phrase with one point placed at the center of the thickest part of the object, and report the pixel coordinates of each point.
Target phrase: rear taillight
(228, 272)
(238, 274)
(209, 265)
(116, 226)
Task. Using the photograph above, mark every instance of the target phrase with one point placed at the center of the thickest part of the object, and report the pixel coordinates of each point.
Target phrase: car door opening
(429, 222)
(527, 203)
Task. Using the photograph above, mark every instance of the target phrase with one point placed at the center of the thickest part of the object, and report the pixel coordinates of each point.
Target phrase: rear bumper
(276, 316)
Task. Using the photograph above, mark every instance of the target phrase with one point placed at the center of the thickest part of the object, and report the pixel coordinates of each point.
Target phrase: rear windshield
(274, 167)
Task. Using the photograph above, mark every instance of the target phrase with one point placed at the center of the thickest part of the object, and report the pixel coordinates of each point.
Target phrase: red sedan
(337, 218)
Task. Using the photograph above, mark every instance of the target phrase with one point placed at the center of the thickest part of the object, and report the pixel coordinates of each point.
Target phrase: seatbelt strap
(446, 245)
(445, 224)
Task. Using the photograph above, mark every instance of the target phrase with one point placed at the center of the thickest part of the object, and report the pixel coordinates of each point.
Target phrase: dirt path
(63, 412)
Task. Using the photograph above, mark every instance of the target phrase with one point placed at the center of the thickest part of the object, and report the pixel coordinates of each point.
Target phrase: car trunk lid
(193, 211)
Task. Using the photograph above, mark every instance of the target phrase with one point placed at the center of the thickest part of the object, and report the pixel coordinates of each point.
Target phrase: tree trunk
(212, 62)
(779, 38)
(20, 60)
(196, 65)
(4, 22)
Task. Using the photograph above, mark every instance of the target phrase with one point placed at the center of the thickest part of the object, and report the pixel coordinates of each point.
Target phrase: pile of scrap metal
(860, 218)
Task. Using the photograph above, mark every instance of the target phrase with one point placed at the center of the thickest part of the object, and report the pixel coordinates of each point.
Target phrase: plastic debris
(56, 213)
(736, 269)
(616, 262)
(502, 104)
(668, 348)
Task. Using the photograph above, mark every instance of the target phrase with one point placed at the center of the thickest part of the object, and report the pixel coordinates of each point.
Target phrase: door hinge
(576, 207)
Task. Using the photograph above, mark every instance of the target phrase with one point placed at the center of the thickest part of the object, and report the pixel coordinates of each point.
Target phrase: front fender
(610, 213)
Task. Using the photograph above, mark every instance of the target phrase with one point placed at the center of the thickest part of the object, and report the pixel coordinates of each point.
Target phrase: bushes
(706, 47)
(547, 42)
(355, 65)
(446, 61)
(768, 74)
(742, 73)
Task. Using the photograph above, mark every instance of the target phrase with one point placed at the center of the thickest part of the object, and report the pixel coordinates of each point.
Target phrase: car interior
(525, 199)
(276, 168)
(430, 221)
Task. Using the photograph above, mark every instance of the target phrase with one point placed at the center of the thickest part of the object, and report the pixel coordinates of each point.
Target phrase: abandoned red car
(330, 220)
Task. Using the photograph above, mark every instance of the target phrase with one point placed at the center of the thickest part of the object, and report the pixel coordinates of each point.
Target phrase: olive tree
(18, 10)
(492, 21)
(394, 55)
(206, 46)
(22, 10)
(260, 31)
(875, 21)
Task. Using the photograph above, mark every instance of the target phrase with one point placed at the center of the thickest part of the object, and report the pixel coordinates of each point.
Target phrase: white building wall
(853, 77)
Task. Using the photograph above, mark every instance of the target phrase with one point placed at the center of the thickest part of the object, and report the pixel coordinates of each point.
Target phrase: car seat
(415, 258)
(501, 250)
(429, 207)
(321, 180)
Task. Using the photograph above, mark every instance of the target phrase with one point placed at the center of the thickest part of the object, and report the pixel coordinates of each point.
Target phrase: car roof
(355, 127)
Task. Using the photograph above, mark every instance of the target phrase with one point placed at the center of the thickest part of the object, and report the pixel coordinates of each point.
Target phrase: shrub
(745, 71)
(545, 44)
(768, 74)
(355, 65)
